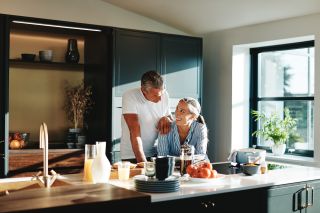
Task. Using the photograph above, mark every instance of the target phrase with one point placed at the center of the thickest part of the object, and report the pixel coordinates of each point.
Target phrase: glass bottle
(101, 166)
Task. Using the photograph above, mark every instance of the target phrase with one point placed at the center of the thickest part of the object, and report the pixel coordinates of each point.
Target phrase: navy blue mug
(164, 167)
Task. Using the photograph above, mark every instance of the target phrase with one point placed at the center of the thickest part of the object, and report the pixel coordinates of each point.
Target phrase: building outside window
(282, 76)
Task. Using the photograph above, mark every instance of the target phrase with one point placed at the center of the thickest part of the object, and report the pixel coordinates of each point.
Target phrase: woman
(188, 128)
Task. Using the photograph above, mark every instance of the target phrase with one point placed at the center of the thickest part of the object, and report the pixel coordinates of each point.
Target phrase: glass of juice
(90, 154)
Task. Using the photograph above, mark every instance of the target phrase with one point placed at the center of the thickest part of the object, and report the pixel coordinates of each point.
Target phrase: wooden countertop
(73, 197)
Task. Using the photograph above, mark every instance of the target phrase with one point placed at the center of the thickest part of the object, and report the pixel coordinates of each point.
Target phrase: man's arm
(135, 136)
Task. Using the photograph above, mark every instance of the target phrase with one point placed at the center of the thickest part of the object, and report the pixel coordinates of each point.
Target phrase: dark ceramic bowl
(27, 57)
(250, 169)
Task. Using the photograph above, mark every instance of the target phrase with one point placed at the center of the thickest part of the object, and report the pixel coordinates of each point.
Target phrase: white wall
(83, 11)
(219, 98)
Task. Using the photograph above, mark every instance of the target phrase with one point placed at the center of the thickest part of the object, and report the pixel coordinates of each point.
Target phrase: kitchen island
(296, 188)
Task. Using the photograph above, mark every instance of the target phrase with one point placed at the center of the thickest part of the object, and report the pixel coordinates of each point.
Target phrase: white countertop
(231, 183)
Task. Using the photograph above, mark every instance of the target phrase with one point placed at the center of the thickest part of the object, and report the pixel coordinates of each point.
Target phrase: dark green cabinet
(4, 95)
(134, 53)
(300, 197)
(241, 201)
(181, 65)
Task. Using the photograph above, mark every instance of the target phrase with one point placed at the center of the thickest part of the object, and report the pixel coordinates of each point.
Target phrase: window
(282, 76)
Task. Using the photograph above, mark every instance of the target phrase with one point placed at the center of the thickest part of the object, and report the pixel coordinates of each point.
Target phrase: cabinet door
(135, 53)
(286, 198)
(4, 94)
(182, 65)
(314, 199)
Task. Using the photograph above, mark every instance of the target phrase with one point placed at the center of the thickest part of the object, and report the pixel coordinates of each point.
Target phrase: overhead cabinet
(181, 64)
(134, 54)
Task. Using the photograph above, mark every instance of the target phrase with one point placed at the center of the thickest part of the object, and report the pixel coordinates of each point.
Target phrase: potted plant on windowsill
(276, 129)
(78, 103)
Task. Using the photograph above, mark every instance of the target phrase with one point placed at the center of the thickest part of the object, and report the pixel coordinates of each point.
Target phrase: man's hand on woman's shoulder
(164, 125)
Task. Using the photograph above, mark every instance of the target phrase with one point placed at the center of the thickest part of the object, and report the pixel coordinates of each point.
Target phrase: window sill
(291, 159)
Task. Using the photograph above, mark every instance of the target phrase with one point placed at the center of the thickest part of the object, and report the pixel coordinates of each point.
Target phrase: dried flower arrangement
(78, 102)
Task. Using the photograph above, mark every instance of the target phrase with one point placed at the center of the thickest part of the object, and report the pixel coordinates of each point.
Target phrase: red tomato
(204, 173)
(206, 165)
(214, 174)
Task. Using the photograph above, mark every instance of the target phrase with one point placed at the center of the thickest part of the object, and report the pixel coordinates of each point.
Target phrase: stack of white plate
(145, 184)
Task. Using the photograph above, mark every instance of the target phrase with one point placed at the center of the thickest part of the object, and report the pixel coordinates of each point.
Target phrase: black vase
(72, 54)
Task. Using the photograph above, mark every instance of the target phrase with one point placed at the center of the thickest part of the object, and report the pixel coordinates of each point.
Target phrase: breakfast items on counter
(202, 170)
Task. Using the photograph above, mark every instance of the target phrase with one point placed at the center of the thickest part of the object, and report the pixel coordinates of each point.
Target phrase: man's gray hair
(151, 79)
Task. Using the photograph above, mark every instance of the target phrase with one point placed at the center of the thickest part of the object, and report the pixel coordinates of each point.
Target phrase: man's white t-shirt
(149, 113)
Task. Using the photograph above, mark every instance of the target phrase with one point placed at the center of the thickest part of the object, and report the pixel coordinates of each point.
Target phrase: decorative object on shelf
(101, 167)
(78, 103)
(72, 54)
(45, 55)
(18, 140)
(28, 57)
(276, 129)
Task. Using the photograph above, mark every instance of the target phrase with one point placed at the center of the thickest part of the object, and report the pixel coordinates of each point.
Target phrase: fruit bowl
(18, 140)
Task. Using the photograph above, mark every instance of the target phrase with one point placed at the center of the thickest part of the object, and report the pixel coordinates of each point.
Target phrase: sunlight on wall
(240, 95)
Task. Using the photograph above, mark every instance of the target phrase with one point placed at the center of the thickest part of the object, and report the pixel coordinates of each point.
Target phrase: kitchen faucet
(46, 180)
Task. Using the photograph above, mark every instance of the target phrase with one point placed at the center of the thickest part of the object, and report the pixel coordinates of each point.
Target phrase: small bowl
(45, 55)
(27, 57)
(250, 169)
(71, 145)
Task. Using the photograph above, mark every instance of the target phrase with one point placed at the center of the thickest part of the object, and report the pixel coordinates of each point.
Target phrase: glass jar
(186, 157)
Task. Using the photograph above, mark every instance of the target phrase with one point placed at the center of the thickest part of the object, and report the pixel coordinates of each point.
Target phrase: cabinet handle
(204, 204)
(309, 188)
(297, 197)
(208, 204)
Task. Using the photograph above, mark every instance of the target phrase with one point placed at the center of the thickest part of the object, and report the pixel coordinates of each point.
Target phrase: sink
(25, 185)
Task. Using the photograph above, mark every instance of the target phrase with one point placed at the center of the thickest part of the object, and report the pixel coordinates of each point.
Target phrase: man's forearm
(137, 148)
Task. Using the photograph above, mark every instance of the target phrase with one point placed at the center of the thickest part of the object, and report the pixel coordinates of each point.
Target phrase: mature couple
(146, 117)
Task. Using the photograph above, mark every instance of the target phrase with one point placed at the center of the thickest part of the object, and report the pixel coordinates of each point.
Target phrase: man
(145, 111)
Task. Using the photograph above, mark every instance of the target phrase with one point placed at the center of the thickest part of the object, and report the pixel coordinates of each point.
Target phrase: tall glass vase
(72, 54)
(101, 166)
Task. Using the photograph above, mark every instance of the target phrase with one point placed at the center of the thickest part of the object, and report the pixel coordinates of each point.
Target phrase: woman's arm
(202, 139)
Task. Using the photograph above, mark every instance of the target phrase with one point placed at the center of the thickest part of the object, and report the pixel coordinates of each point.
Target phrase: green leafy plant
(78, 102)
(275, 128)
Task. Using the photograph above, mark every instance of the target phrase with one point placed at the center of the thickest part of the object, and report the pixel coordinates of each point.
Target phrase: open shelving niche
(36, 88)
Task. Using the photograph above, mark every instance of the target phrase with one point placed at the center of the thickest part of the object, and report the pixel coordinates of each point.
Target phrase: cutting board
(133, 172)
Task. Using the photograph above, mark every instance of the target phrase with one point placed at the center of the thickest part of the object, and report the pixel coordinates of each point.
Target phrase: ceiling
(203, 16)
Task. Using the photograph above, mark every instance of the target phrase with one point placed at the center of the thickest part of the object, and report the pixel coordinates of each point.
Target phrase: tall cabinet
(177, 58)
(4, 78)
